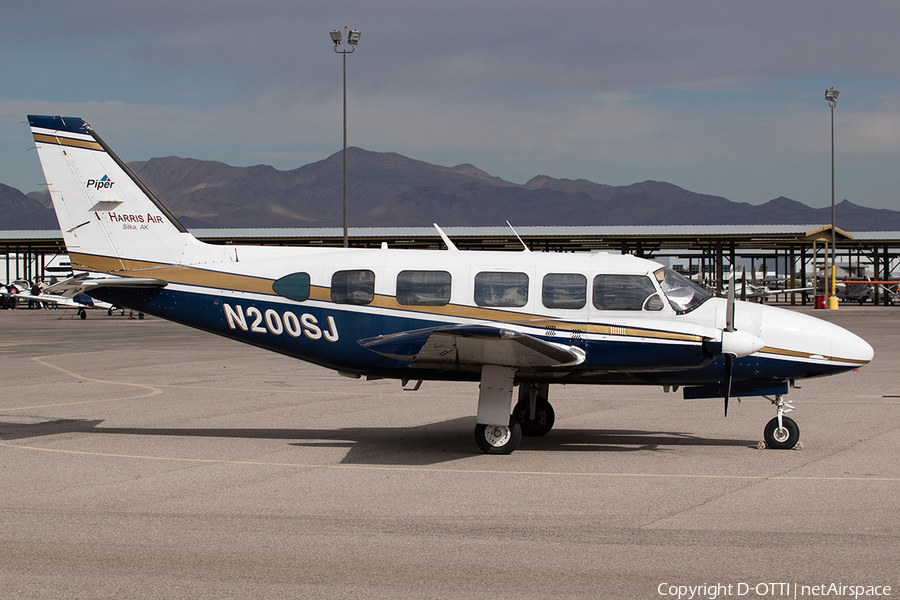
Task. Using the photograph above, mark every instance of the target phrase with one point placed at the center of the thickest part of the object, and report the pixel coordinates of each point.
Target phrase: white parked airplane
(72, 293)
(501, 318)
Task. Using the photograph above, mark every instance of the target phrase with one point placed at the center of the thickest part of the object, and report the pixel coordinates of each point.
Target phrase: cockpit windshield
(683, 294)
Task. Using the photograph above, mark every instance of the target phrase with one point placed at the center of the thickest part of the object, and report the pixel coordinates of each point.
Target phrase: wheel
(784, 438)
(498, 439)
(544, 417)
(82, 314)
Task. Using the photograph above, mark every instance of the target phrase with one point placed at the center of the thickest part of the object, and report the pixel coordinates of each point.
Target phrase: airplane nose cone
(806, 337)
(851, 346)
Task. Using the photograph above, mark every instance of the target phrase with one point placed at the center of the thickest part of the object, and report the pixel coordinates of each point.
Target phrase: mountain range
(390, 190)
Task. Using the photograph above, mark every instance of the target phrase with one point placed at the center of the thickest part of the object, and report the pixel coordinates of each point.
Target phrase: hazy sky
(718, 97)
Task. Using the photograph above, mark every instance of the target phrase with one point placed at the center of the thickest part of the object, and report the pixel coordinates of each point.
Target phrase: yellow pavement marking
(152, 391)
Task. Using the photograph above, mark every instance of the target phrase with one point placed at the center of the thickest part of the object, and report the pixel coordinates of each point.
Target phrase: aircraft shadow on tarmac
(413, 446)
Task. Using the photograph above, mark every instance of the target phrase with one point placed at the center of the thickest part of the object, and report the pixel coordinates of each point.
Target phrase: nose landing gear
(782, 433)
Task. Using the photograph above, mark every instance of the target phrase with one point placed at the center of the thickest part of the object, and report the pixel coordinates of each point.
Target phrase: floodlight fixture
(353, 37)
(831, 96)
(337, 38)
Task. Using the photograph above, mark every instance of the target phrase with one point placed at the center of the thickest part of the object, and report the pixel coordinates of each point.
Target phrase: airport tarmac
(143, 459)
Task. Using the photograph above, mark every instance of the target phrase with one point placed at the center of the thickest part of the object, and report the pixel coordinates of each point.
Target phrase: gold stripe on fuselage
(245, 283)
(807, 355)
(173, 273)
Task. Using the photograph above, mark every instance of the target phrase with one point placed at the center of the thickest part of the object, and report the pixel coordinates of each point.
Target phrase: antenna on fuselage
(527, 249)
(450, 245)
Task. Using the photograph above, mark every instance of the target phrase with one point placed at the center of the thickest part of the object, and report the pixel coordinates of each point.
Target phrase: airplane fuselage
(408, 290)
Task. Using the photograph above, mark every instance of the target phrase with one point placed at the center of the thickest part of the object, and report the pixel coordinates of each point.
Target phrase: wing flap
(446, 347)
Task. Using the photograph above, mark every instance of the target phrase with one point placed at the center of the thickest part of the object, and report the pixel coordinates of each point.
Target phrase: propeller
(729, 327)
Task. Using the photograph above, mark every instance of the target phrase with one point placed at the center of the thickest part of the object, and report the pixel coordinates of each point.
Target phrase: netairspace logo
(99, 184)
(723, 591)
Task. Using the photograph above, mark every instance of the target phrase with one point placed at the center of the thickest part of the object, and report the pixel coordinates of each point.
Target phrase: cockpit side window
(624, 292)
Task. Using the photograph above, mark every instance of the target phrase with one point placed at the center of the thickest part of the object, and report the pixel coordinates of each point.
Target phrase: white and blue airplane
(502, 318)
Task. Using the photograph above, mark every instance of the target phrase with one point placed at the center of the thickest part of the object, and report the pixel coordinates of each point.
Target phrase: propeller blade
(729, 366)
(729, 313)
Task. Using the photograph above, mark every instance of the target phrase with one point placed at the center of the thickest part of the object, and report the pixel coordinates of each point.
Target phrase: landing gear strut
(496, 432)
(781, 433)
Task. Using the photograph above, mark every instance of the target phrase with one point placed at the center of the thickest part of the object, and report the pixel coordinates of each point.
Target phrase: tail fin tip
(56, 123)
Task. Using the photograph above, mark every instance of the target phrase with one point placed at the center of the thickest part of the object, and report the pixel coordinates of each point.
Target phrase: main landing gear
(498, 432)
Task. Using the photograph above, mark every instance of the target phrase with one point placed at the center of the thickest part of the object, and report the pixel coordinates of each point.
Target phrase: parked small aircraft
(863, 289)
(70, 294)
(501, 318)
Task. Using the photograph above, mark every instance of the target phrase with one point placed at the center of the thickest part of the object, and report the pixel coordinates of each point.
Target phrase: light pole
(352, 41)
(831, 97)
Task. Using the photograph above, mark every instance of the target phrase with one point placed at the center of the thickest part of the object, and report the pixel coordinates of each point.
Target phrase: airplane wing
(792, 290)
(473, 345)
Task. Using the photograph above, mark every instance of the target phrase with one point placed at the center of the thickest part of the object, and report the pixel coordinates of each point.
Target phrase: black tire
(497, 439)
(544, 417)
(82, 314)
(783, 439)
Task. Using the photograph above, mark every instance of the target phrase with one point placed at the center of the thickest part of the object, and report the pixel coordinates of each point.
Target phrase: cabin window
(564, 290)
(623, 292)
(501, 289)
(353, 287)
(294, 286)
(423, 288)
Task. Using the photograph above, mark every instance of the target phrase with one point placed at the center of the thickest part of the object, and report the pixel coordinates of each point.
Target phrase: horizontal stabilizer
(86, 282)
(473, 345)
(127, 282)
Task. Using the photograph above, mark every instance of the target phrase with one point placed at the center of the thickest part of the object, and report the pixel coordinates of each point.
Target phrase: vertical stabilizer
(110, 221)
